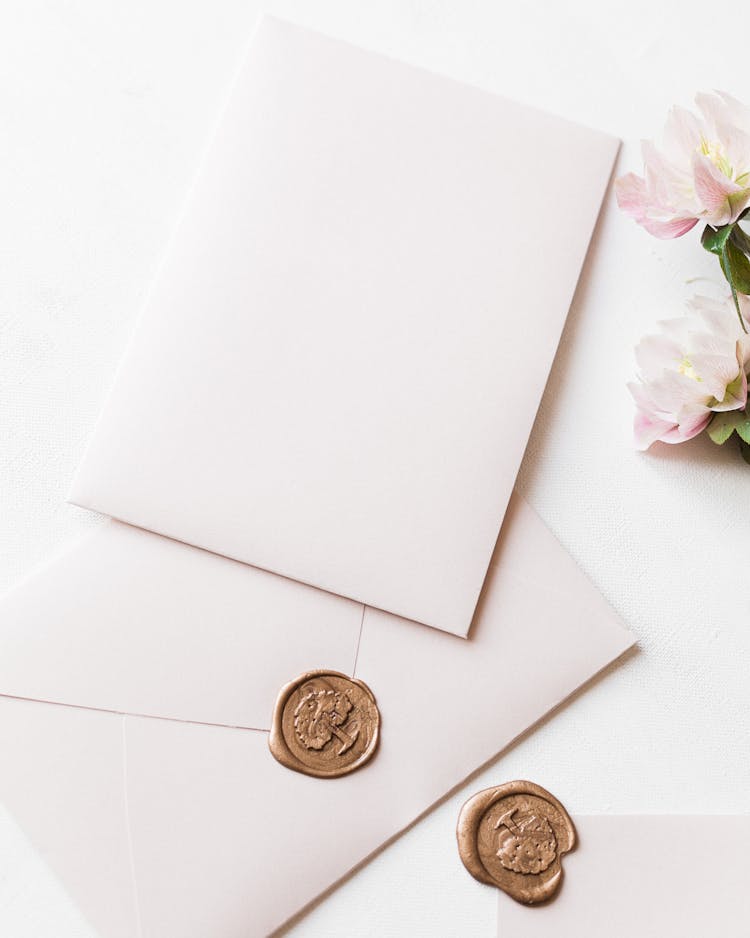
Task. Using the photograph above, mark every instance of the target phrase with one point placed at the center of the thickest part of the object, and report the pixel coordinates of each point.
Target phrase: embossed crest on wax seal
(514, 837)
(325, 724)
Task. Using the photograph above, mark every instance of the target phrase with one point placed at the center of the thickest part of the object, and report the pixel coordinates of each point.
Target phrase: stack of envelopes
(308, 455)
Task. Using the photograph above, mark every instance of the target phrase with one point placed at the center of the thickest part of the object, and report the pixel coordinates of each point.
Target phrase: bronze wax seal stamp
(325, 724)
(514, 837)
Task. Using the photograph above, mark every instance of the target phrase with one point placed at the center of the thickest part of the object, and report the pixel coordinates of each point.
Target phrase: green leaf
(723, 425)
(745, 451)
(743, 429)
(741, 239)
(738, 266)
(714, 239)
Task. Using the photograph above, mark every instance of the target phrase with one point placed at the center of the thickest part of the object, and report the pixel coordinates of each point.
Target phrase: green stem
(737, 307)
(728, 275)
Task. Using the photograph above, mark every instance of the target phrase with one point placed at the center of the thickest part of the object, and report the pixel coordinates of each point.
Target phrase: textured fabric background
(104, 109)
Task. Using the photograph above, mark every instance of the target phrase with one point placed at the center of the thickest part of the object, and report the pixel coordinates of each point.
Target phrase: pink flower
(701, 173)
(697, 366)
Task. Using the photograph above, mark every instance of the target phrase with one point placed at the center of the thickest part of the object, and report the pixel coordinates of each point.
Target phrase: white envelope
(648, 876)
(339, 364)
(138, 761)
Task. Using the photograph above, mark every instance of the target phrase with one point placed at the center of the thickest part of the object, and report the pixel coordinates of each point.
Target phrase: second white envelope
(137, 759)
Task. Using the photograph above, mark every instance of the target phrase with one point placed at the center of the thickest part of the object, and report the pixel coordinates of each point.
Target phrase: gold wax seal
(514, 837)
(324, 724)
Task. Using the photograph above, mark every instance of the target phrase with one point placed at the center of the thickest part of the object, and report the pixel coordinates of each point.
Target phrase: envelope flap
(133, 623)
(339, 364)
(63, 780)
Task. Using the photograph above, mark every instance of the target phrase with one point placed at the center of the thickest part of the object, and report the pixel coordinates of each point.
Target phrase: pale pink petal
(713, 110)
(735, 133)
(713, 188)
(679, 331)
(673, 392)
(718, 315)
(736, 145)
(682, 133)
(686, 431)
(743, 351)
(734, 401)
(668, 229)
(709, 344)
(715, 372)
(633, 199)
(735, 398)
(729, 123)
(641, 395)
(737, 112)
(670, 189)
(630, 192)
(654, 353)
(647, 429)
